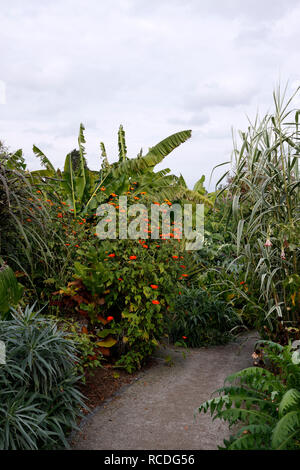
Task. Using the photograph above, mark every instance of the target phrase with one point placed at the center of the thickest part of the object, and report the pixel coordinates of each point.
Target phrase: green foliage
(11, 290)
(39, 399)
(264, 403)
(200, 317)
(263, 193)
(89, 355)
(124, 287)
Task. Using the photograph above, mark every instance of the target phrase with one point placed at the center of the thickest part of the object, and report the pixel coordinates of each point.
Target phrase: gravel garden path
(156, 411)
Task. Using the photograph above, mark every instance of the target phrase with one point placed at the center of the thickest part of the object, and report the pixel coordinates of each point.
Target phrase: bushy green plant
(263, 402)
(124, 288)
(201, 318)
(39, 399)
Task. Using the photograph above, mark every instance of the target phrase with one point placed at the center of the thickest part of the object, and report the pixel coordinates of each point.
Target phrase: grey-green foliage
(264, 404)
(263, 191)
(39, 398)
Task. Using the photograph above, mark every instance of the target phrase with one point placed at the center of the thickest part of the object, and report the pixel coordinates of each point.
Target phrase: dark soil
(104, 382)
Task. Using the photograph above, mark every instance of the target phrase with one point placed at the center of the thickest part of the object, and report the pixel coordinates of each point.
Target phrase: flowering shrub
(124, 288)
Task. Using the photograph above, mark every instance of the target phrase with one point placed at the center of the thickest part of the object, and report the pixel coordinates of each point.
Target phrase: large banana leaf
(44, 160)
(155, 155)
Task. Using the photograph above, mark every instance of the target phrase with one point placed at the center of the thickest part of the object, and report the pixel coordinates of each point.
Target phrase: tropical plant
(39, 399)
(84, 190)
(262, 403)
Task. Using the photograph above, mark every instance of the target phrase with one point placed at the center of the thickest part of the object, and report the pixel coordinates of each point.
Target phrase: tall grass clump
(263, 191)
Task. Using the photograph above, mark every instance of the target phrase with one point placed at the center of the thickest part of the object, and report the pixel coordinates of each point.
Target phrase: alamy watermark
(118, 220)
(2, 353)
(2, 92)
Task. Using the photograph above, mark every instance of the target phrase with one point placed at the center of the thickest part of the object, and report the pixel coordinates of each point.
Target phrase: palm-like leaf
(44, 160)
(155, 155)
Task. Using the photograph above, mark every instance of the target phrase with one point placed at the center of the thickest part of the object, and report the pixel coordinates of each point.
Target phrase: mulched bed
(104, 382)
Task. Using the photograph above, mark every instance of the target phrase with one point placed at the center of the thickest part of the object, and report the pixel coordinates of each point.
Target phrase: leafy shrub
(39, 399)
(89, 355)
(124, 289)
(201, 318)
(265, 402)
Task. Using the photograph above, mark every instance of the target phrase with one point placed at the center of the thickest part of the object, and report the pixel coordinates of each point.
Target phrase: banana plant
(84, 190)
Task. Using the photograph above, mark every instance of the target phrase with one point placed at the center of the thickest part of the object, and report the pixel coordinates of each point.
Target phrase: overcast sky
(156, 66)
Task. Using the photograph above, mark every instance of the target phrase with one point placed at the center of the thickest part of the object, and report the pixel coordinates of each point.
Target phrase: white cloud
(156, 67)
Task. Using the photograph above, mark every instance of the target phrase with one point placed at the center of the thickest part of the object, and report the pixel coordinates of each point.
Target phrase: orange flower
(102, 189)
(154, 286)
(29, 220)
(184, 337)
(59, 215)
(155, 302)
(110, 318)
(76, 246)
(132, 257)
(112, 255)
(175, 257)
(145, 246)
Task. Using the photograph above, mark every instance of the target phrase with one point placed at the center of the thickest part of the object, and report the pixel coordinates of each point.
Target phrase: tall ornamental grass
(263, 190)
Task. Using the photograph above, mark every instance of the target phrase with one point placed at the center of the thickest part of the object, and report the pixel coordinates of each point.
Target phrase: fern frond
(254, 436)
(290, 401)
(286, 431)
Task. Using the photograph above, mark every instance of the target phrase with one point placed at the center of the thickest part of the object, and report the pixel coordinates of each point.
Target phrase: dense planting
(118, 299)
